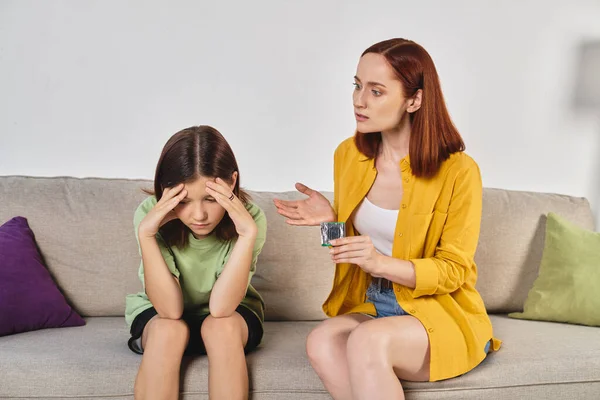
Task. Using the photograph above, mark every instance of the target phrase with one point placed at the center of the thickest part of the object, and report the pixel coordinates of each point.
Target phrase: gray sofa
(84, 230)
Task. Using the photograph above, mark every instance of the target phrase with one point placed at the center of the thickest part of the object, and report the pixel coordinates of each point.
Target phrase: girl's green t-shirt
(198, 266)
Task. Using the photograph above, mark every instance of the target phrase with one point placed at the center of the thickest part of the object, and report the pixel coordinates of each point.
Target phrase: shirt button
(398, 289)
(413, 311)
(400, 234)
(403, 205)
(430, 329)
(406, 180)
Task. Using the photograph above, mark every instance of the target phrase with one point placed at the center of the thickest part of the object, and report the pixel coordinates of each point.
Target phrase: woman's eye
(211, 199)
(356, 86)
(376, 92)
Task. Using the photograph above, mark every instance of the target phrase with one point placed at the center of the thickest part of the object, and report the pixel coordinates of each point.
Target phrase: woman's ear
(234, 177)
(414, 103)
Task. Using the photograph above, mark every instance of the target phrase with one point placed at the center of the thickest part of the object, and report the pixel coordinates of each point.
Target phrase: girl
(199, 238)
(403, 303)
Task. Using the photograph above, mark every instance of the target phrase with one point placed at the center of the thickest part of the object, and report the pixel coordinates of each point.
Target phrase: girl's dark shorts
(194, 322)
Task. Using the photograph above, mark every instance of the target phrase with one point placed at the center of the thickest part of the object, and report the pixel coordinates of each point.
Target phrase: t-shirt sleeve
(166, 252)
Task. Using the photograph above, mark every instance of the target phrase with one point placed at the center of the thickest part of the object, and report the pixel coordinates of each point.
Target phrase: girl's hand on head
(243, 221)
(310, 211)
(162, 212)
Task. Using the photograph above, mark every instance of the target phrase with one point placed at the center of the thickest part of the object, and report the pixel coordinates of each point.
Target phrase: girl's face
(379, 102)
(199, 211)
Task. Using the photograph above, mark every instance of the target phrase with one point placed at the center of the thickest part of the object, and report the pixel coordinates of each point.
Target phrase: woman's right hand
(162, 212)
(310, 211)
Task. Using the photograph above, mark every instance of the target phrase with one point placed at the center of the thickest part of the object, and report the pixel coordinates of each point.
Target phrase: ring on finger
(231, 197)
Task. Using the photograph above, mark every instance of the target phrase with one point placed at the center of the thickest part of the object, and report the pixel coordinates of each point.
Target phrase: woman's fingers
(355, 260)
(349, 240)
(289, 214)
(348, 255)
(298, 222)
(347, 248)
(286, 203)
(302, 188)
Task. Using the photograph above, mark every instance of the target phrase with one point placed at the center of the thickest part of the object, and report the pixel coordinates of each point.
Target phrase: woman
(403, 302)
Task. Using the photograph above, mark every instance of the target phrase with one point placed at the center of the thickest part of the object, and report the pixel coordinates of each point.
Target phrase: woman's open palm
(310, 211)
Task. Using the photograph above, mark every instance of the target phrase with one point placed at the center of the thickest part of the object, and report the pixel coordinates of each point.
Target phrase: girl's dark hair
(433, 135)
(198, 151)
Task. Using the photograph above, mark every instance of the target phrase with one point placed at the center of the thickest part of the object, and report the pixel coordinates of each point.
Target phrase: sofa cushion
(511, 242)
(29, 298)
(84, 229)
(537, 360)
(566, 289)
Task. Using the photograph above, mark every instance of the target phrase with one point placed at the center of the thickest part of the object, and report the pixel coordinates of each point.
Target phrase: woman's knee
(367, 346)
(324, 343)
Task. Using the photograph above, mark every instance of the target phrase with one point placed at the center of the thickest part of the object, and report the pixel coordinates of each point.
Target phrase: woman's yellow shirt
(437, 230)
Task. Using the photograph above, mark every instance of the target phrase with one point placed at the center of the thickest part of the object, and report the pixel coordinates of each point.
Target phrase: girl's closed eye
(376, 92)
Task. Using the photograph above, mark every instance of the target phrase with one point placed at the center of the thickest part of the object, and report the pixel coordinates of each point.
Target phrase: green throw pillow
(566, 289)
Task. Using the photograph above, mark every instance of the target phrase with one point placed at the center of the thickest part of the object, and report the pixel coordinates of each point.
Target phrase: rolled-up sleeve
(453, 260)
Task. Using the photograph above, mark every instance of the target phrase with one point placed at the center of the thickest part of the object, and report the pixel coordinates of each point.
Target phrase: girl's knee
(168, 331)
(225, 330)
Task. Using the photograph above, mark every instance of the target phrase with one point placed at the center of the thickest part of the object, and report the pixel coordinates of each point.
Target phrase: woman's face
(379, 102)
(199, 211)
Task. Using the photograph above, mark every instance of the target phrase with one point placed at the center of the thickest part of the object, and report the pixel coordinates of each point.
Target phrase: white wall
(94, 88)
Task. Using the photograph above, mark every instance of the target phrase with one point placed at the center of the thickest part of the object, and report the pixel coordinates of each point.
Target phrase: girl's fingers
(170, 204)
(172, 191)
(221, 199)
(220, 186)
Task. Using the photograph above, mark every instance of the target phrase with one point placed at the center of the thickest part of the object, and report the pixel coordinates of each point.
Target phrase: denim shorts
(384, 301)
(386, 304)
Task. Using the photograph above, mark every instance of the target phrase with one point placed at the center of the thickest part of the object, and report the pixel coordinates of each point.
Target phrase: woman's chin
(364, 130)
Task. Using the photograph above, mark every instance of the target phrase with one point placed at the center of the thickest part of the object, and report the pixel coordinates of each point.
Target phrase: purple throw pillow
(29, 298)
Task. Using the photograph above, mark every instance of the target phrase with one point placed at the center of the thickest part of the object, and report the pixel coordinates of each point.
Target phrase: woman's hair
(198, 151)
(433, 136)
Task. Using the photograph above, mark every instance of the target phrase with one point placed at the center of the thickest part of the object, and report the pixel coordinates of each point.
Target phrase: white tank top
(377, 223)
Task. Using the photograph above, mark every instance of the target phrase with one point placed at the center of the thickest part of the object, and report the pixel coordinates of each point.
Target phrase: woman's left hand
(357, 250)
(243, 221)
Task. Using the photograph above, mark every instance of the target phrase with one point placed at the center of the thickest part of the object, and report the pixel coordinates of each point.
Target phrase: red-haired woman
(403, 302)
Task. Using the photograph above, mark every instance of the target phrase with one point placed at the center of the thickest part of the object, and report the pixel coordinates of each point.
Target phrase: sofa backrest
(511, 242)
(84, 229)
